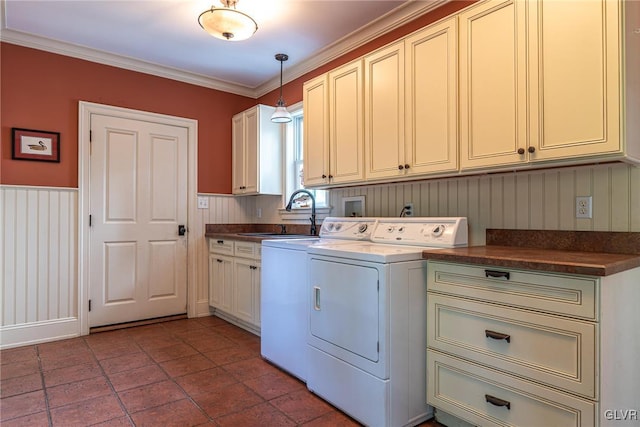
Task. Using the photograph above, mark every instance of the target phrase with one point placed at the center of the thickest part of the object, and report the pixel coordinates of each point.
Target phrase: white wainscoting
(542, 200)
(38, 266)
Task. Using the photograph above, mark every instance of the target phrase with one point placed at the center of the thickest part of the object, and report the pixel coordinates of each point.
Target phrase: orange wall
(41, 90)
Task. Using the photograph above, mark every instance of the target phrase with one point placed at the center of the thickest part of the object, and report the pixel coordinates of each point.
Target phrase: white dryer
(367, 319)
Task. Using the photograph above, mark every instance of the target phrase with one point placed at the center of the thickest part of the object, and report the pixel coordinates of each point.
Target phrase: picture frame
(39, 145)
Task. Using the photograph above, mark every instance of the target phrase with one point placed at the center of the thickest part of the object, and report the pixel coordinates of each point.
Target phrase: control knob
(362, 228)
(437, 230)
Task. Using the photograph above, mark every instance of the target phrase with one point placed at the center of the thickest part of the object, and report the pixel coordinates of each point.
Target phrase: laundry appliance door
(348, 312)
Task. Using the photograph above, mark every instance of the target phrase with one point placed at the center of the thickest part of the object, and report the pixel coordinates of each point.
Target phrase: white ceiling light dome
(227, 23)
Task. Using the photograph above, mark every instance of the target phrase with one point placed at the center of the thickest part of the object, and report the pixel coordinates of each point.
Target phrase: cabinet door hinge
(90, 220)
(89, 305)
(378, 346)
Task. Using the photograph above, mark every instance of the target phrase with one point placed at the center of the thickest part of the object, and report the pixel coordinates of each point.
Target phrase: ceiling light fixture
(227, 23)
(281, 115)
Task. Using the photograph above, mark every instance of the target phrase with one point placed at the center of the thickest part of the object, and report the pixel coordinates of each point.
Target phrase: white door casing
(138, 185)
(168, 245)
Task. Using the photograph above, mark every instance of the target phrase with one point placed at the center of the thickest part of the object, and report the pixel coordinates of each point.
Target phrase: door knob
(181, 230)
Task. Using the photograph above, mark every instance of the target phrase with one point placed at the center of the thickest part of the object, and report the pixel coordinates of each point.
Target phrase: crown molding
(401, 15)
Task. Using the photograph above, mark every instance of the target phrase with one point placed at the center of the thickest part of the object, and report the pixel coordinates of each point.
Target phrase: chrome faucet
(313, 208)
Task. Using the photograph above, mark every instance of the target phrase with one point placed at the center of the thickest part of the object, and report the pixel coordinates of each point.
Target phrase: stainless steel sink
(275, 235)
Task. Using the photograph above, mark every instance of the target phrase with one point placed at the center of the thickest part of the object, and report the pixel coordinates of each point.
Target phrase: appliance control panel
(435, 232)
(347, 228)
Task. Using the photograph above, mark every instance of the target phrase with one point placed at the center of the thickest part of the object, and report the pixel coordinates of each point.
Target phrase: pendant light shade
(227, 23)
(281, 115)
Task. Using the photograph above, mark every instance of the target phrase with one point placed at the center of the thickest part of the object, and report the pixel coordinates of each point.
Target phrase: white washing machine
(284, 311)
(367, 319)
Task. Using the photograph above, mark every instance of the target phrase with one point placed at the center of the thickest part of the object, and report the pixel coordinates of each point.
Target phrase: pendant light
(227, 23)
(281, 115)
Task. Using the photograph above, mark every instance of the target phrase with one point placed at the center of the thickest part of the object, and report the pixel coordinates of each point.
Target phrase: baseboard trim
(38, 332)
(135, 323)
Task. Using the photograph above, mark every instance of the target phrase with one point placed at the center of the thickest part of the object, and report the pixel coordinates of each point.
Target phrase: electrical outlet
(583, 207)
(408, 209)
(203, 202)
(258, 212)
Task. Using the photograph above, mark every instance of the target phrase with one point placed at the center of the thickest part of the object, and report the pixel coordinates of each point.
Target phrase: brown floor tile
(87, 412)
(19, 369)
(21, 405)
(116, 422)
(109, 338)
(19, 354)
(228, 400)
(210, 321)
(302, 406)
(205, 381)
(57, 349)
(71, 374)
(125, 363)
(232, 331)
(179, 413)
(152, 395)
(256, 416)
(274, 384)
(148, 343)
(185, 325)
(137, 377)
(78, 391)
(39, 419)
(214, 343)
(65, 360)
(236, 353)
(332, 419)
(175, 351)
(124, 349)
(249, 369)
(20, 385)
(187, 365)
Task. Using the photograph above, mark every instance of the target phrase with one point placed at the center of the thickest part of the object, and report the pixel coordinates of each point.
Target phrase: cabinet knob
(324, 176)
(531, 149)
(406, 166)
(400, 167)
(330, 176)
(520, 151)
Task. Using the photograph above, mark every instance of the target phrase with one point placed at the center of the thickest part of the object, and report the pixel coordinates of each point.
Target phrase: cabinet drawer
(245, 249)
(221, 246)
(553, 350)
(568, 295)
(467, 391)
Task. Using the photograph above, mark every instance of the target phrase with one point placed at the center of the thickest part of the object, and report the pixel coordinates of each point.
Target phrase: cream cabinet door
(493, 84)
(316, 131)
(237, 153)
(384, 112)
(431, 78)
(575, 80)
(221, 282)
(243, 289)
(251, 147)
(346, 149)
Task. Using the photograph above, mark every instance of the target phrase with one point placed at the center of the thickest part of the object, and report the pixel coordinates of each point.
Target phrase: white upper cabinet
(333, 116)
(493, 84)
(256, 152)
(384, 112)
(575, 58)
(315, 100)
(431, 96)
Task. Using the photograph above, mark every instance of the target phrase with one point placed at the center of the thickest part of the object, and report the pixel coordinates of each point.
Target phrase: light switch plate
(584, 207)
(203, 202)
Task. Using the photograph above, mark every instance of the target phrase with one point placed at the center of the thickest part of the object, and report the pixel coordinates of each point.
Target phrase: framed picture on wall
(35, 145)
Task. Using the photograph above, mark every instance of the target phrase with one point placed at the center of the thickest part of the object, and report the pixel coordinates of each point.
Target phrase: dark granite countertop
(588, 253)
(234, 231)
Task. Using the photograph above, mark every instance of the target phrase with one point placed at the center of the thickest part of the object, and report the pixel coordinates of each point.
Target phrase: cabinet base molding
(235, 321)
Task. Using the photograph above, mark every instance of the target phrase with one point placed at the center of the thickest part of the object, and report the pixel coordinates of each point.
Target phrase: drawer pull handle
(497, 335)
(316, 298)
(497, 402)
(495, 273)
(219, 260)
(220, 242)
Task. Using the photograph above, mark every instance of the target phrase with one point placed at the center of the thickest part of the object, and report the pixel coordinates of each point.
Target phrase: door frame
(85, 110)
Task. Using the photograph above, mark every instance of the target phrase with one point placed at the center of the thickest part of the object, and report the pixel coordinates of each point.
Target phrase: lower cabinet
(530, 348)
(234, 282)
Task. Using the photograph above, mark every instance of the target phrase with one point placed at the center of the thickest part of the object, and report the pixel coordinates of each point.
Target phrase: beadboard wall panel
(543, 199)
(38, 266)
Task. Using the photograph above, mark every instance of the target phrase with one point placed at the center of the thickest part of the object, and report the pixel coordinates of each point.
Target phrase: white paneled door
(138, 207)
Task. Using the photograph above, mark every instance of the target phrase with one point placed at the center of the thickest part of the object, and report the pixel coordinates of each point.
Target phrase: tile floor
(187, 372)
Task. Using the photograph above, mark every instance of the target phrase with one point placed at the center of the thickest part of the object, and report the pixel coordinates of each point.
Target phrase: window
(295, 160)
